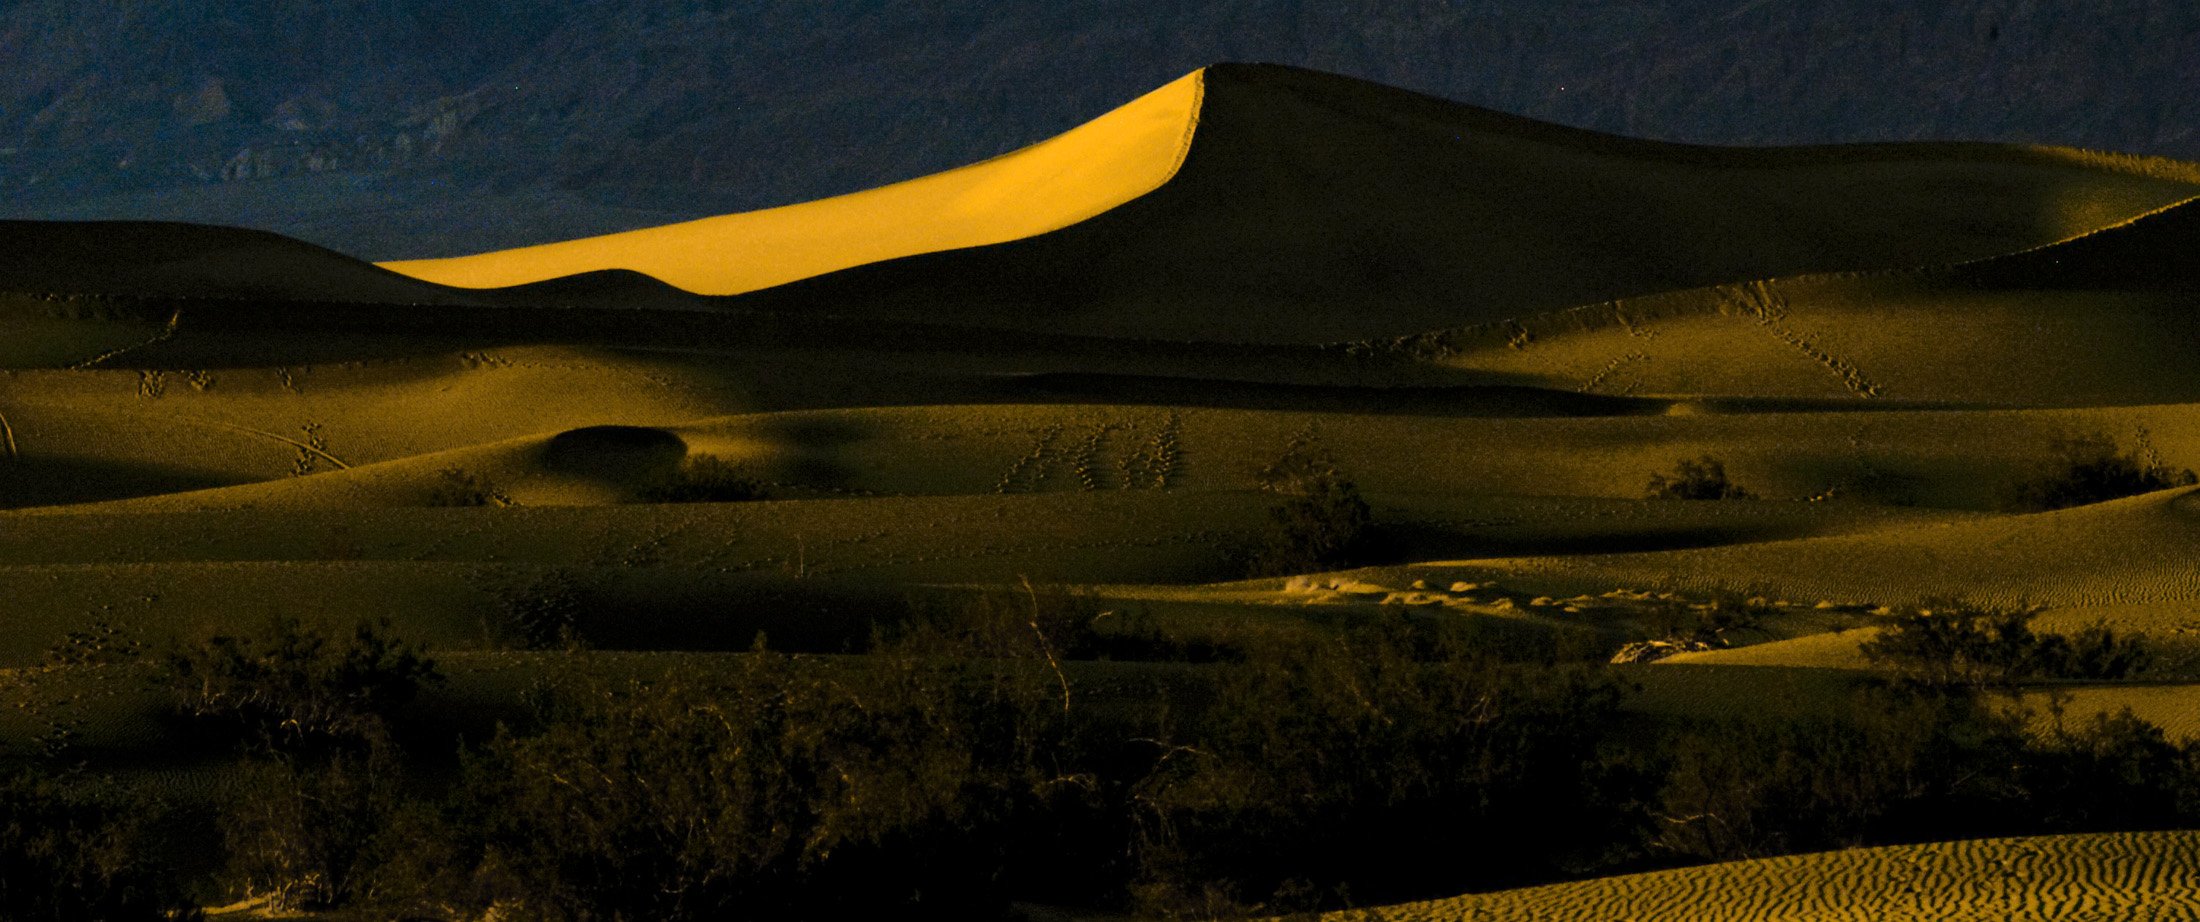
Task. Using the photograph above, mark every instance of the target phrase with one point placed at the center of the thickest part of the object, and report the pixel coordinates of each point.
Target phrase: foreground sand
(2088, 877)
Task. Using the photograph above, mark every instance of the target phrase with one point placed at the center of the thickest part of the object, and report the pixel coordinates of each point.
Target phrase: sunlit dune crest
(1050, 185)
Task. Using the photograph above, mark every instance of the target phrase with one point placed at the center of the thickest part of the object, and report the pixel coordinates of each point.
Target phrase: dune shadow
(1453, 400)
(1425, 541)
(811, 441)
(613, 452)
(33, 481)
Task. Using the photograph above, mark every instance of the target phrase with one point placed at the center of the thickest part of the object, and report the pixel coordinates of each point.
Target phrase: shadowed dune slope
(144, 258)
(2103, 319)
(1330, 208)
(2153, 875)
(2106, 554)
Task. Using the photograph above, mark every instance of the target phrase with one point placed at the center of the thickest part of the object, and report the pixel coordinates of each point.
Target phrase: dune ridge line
(1093, 168)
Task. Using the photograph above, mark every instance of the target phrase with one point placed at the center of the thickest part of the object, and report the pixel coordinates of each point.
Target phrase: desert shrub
(311, 832)
(311, 711)
(792, 788)
(1896, 764)
(1321, 522)
(1391, 762)
(2089, 469)
(540, 613)
(1029, 621)
(1951, 644)
(1702, 478)
(294, 686)
(456, 487)
(1710, 621)
(102, 643)
(2112, 771)
(705, 479)
(1037, 621)
(74, 847)
(1889, 762)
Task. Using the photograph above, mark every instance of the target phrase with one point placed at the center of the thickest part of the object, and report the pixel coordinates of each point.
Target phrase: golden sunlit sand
(1055, 183)
(2128, 876)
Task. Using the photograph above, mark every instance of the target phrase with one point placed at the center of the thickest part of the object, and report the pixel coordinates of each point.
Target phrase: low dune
(2105, 554)
(2109, 876)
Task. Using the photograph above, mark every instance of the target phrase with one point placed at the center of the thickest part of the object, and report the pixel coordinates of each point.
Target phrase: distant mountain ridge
(409, 129)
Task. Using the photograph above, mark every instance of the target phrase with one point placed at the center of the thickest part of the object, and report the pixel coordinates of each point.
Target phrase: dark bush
(457, 487)
(1703, 478)
(294, 686)
(794, 788)
(1321, 523)
(1711, 621)
(312, 832)
(311, 711)
(962, 763)
(1038, 621)
(1950, 644)
(2089, 469)
(1889, 763)
(1896, 764)
(1031, 621)
(74, 847)
(541, 613)
(2113, 771)
(1394, 762)
(705, 479)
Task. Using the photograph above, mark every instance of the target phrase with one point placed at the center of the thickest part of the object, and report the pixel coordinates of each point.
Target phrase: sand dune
(1083, 362)
(2072, 316)
(1095, 167)
(1366, 210)
(2110, 876)
(2105, 554)
(194, 261)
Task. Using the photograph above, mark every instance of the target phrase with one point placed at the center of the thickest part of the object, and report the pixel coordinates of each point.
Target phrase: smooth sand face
(2103, 876)
(1050, 185)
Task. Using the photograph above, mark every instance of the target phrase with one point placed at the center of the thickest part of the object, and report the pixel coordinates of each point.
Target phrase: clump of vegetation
(73, 847)
(1900, 763)
(705, 478)
(1037, 621)
(1710, 621)
(102, 643)
(542, 613)
(316, 831)
(1332, 766)
(1702, 478)
(1678, 625)
(789, 788)
(1321, 523)
(2110, 771)
(1752, 787)
(294, 685)
(1960, 645)
(2086, 469)
(970, 759)
(311, 711)
(458, 487)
